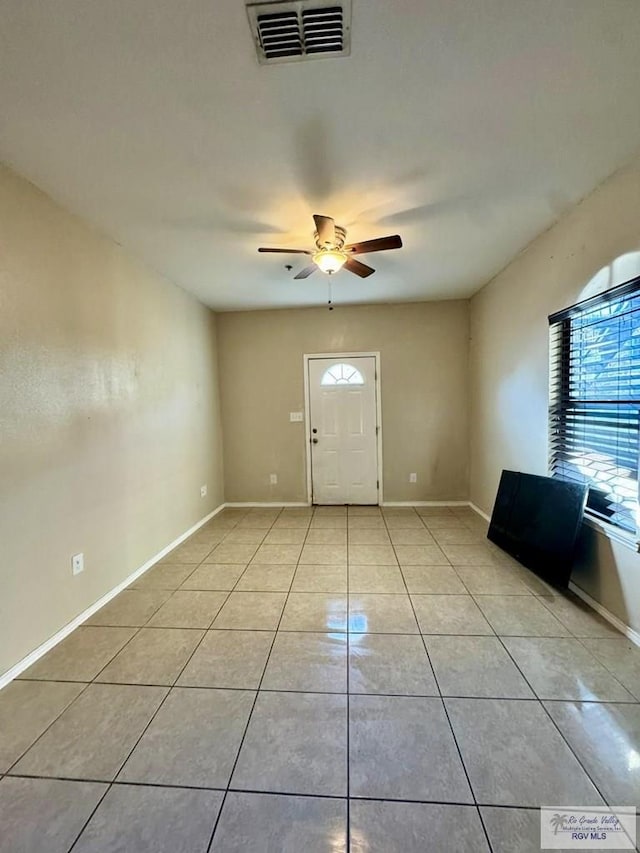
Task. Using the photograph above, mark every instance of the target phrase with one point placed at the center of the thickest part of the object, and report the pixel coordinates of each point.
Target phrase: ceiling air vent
(302, 29)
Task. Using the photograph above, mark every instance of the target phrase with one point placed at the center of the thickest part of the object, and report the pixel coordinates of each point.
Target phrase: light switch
(296, 417)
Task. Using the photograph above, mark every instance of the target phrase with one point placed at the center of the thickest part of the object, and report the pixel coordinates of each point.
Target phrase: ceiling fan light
(330, 260)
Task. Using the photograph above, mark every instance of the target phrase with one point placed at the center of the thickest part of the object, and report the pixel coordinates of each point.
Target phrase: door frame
(306, 358)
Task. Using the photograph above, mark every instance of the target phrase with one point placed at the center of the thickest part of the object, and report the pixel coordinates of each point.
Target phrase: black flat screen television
(537, 521)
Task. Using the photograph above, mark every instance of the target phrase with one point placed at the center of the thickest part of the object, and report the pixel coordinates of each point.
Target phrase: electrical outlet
(273, 479)
(203, 491)
(413, 478)
(77, 564)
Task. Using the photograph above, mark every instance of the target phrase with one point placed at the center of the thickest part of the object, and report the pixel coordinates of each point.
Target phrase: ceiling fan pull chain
(329, 289)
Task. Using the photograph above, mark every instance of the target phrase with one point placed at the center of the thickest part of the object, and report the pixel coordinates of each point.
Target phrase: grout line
(534, 698)
(173, 627)
(444, 708)
(348, 617)
(44, 731)
(156, 712)
(596, 660)
(560, 732)
(603, 664)
(154, 715)
(357, 797)
(333, 631)
(142, 734)
(91, 814)
(255, 698)
(566, 741)
(87, 684)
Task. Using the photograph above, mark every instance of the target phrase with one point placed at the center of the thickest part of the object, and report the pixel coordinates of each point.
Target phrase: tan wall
(596, 246)
(424, 369)
(109, 417)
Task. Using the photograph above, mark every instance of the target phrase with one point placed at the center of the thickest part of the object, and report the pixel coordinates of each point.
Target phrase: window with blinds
(594, 403)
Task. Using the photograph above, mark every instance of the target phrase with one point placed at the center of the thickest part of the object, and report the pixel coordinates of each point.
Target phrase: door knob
(315, 440)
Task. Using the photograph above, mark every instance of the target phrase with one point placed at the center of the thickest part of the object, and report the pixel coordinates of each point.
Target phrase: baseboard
(36, 654)
(479, 511)
(266, 504)
(424, 503)
(629, 633)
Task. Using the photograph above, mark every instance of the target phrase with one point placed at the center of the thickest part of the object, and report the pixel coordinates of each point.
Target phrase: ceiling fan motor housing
(341, 236)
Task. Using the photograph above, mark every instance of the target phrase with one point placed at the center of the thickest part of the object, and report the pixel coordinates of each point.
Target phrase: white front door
(343, 422)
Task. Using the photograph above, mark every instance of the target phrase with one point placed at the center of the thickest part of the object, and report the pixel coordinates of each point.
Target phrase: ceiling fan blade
(358, 268)
(381, 244)
(326, 228)
(286, 251)
(306, 272)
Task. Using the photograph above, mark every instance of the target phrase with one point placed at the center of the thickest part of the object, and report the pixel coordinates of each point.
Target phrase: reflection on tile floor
(321, 680)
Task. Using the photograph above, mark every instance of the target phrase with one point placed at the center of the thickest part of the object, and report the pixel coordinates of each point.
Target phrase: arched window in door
(342, 374)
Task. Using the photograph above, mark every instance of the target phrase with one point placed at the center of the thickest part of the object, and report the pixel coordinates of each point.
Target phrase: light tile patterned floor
(341, 679)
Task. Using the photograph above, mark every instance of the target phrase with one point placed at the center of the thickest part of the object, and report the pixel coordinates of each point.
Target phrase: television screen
(537, 521)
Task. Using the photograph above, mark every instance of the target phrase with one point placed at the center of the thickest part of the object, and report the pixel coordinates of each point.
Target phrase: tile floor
(328, 680)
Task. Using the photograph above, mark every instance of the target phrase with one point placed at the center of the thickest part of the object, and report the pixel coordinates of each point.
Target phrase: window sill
(622, 537)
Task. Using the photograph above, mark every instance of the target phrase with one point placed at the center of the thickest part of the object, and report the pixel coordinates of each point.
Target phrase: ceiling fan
(331, 254)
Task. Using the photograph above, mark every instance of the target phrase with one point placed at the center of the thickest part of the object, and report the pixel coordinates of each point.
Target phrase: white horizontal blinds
(594, 415)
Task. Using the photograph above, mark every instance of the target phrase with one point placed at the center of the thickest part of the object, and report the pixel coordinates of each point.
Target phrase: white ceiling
(468, 126)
